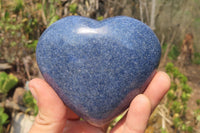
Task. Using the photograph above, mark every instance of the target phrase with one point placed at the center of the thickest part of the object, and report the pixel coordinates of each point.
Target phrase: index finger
(157, 88)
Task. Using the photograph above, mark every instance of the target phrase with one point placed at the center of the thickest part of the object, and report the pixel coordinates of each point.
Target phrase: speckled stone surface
(98, 67)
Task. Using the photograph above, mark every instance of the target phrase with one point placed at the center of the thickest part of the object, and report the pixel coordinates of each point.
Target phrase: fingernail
(34, 93)
(164, 76)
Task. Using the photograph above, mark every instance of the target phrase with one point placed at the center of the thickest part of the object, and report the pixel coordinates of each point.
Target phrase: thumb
(52, 113)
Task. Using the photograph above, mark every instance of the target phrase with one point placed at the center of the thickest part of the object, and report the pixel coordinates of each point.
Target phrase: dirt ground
(193, 74)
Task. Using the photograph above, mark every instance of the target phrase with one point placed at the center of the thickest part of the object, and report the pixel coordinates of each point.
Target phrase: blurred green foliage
(198, 102)
(100, 18)
(7, 82)
(163, 130)
(3, 119)
(116, 120)
(197, 113)
(53, 19)
(32, 45)
(173, 53)
(196, 59)
(177, 98)
(30, 103)
(197, 116)
(21, 24)
(19, 5)
(73, 8)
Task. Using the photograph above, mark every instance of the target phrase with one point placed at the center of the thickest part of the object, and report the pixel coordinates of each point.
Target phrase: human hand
(55, 117)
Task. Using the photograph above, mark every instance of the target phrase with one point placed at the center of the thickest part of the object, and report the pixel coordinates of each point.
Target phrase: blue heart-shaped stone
(98, 67)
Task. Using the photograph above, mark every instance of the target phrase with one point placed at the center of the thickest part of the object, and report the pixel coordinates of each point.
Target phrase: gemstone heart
(98, 67)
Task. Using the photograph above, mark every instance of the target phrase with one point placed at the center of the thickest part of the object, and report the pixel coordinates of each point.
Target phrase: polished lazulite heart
(98, 67)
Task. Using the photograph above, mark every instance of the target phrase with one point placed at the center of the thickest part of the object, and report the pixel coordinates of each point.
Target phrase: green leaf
(184, 97)
(73, 8)
(169, 67)
(1, 111)
(53, 19)
(177, 122)
(163, 130)
(198, 118)
(9, 83)
(7, 14)
(3, 117)
(33, 45)
(19, 6)
(183, 127)
(119, 118)
(186, 88)
(1, 128)
(190, 129)
(100, 18)
(196, 58)
(171, 95)
(174, 52)
(39, 6)
(30, 103)
(198, 101)
(176, 106)
(182, 78)
(175, 72)
(3, 77)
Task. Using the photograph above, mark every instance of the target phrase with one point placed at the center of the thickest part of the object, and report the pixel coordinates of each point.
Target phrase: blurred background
(175, 22)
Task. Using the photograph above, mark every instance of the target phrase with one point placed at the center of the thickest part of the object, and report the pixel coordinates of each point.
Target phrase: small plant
(116, 120)
(32, 45)
(196, 59)
(197, 116)
(198, 102)
(19, 6)
(73, 8)
(7, 82)
(197, 113)
(177, 98)
(173, 53)
(163, 130)
(3, 119)
(30, 103)
(53, 19)
(100, 18)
